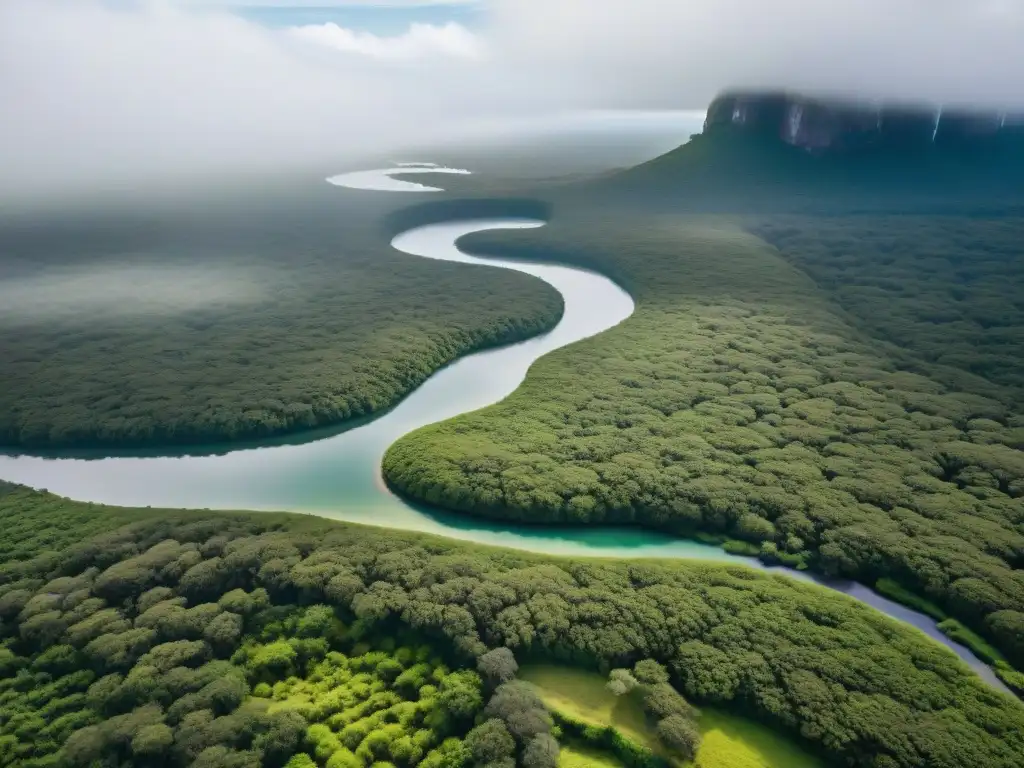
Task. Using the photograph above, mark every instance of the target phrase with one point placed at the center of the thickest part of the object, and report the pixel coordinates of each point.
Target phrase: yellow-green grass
(728, 741)
(575, 755)
(736, 742)
(583, 696)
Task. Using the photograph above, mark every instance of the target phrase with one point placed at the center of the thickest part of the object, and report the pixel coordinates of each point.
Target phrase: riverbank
(740, 401)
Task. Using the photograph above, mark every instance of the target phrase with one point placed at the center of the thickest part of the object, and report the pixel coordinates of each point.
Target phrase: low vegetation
(576, 755)
(739, 401)
(737, 742)
(314, 320)
(202, 639)
(895, 591)
(978, 645)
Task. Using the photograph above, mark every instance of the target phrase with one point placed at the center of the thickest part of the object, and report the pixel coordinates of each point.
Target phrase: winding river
(382, 180)
(336, 473)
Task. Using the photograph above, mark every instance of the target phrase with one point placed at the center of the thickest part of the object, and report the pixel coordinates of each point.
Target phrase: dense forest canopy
(206, 639)
(946, 288)
(225, 321)
(739, 400)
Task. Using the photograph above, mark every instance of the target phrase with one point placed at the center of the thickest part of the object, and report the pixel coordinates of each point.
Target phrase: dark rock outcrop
(907, 127)
(761, 113)
(822, 125)
(788, 152)
(963, 129)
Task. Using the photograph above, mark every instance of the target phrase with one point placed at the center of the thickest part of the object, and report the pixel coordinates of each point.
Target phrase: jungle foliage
(738, 400)
(314, 319)
(202, 639)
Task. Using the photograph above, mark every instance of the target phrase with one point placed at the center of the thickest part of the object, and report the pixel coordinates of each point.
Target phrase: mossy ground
(734, 742)
(575, 755)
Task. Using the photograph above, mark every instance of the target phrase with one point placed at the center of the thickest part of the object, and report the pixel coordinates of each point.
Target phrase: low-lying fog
(126, 289)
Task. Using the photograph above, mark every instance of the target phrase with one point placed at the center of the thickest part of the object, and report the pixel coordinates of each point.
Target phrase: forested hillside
(740, 400)
(231, 320)
(205, 639)
(946, 288)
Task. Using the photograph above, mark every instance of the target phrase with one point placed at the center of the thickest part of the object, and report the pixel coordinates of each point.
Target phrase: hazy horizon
(100, 91)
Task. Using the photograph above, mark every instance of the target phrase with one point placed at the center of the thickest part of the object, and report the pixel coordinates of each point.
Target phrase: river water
(336, 473)
(382, 180)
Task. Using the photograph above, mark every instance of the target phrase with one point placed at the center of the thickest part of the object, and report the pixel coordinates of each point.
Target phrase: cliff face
(963, 129)
(828, 126)
(785, 152)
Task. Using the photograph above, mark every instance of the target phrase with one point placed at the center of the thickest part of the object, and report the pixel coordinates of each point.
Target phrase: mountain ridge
(778, 150)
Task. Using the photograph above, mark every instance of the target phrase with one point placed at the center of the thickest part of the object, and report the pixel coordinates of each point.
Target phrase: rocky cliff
(832, 125)
(786, 152)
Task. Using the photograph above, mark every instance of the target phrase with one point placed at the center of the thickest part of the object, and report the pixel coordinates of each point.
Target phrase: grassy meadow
(580, 756)
(728, 741)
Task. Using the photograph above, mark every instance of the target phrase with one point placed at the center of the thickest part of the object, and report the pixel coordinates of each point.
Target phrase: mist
(653, 54)
(128, 288)
(100, 96)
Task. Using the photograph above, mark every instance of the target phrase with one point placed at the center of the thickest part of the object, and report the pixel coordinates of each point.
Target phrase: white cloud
(331, 3)
(421, 40)
(657, 53)
(94, 93)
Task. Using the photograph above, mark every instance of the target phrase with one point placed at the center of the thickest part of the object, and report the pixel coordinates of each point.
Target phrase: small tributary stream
(336, 474)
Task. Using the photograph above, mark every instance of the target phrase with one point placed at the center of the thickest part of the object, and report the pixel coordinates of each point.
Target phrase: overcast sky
(94, 90)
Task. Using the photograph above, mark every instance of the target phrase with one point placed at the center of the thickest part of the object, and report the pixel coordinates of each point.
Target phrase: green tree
(621, 682)
(489, 742)
(460, 693)
(497, 666)
(541, 752)
(680, 735)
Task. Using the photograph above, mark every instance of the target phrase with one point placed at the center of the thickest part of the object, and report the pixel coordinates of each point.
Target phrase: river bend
(338, 476)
